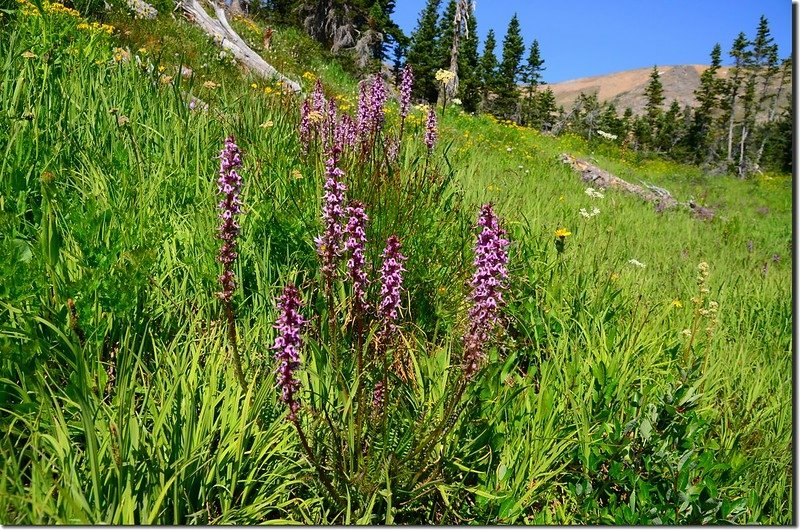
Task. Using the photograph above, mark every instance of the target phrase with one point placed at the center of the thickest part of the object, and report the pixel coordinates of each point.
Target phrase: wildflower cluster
(587, 214)
(406, 81)
(141, 9)
(430, 129)
(96, 27)
(288, 345)
(591, 192)
(229, 185)
(391, 286)
(488, 283)
(356, 265)
(445, 77)
(607, 136)
(329, 244)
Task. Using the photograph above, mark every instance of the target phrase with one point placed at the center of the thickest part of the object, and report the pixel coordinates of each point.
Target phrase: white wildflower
(637, 263)
(593, 193)
(607, 136)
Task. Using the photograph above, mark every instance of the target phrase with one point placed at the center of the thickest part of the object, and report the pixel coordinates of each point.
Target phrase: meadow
(639, 371)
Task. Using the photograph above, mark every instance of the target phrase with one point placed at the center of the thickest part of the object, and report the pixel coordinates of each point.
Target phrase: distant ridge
(626, 88)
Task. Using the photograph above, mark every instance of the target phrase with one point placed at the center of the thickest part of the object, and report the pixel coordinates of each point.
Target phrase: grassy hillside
(641, 374)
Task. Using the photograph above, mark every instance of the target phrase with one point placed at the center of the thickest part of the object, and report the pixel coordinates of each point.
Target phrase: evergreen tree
(488, 70)
(510, 70)
(532, 76)
(627, 125)
(546, 110)
(670, 131)
(420, 56)
(445, 33)
(609, 120)
(468, 67)
(763, 66)
(707, 95)
(770, 129)
(733, 87)
(655, 99)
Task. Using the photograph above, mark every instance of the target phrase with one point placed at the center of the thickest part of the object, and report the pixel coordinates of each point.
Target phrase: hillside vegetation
(639, 371)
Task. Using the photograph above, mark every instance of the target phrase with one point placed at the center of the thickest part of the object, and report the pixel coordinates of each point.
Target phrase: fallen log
(660, 197)
(221, 31)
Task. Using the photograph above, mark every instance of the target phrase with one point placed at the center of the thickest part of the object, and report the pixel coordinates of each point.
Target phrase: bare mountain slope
(626, 89)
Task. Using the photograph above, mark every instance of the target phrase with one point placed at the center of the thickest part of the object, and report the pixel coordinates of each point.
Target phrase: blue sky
(581, 38)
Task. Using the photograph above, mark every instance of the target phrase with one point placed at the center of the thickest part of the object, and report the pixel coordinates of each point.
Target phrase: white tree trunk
(222, 32)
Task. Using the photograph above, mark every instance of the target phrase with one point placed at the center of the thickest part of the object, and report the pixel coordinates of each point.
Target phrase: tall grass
(120, 404)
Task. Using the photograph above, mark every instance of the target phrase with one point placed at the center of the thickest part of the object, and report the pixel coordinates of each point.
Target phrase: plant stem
(237, 361)
(323, 477)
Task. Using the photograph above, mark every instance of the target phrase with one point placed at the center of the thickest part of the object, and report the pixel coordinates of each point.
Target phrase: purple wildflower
(393, 149)
(305, 125)
(318, 97)
(329, 128)
(287, 346)
(229, 185)
(329, 244)
(345, 133)
(377, 101)
(488, 283)
(391, 285)
(378, 396)
(356, 264)
(430, 129)
(406, 82)
(362, 113)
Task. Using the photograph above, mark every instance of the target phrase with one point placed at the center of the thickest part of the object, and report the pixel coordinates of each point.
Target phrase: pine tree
(445, 35)
(609, 120)
(733, 87)
(468, 68)
(545, 109)
(707, 95)
(765, 67)
(510, 70)
(420, 56)
(670, 131)
(655, 99)
(532, 76)
(488, 70)
(770, 128)
(627, 125)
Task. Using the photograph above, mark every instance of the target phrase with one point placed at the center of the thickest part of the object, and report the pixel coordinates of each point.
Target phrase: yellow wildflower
(266, 124)
(314, 116)
(29, 55)
(211, 85)
(677, 303)
(296, 174)
(253, 85)
(563, 232)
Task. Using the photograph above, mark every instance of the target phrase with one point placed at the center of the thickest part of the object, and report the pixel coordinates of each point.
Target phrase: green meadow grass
(595, 408)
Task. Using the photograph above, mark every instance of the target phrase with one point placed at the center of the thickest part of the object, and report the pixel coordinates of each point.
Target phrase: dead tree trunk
(221, 31)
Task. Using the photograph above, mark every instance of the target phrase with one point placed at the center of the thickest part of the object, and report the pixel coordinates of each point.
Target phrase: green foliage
(509, 71)
(488, 69)
(423, 40)
(118, 402)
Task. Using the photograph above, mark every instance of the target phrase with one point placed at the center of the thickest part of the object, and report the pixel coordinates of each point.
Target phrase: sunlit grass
(128, 410)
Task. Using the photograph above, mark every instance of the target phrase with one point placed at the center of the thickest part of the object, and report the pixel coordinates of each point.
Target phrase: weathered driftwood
(221, 31)
(661, 198)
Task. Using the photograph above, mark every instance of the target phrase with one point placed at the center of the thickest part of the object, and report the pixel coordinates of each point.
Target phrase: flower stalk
(229, 185)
